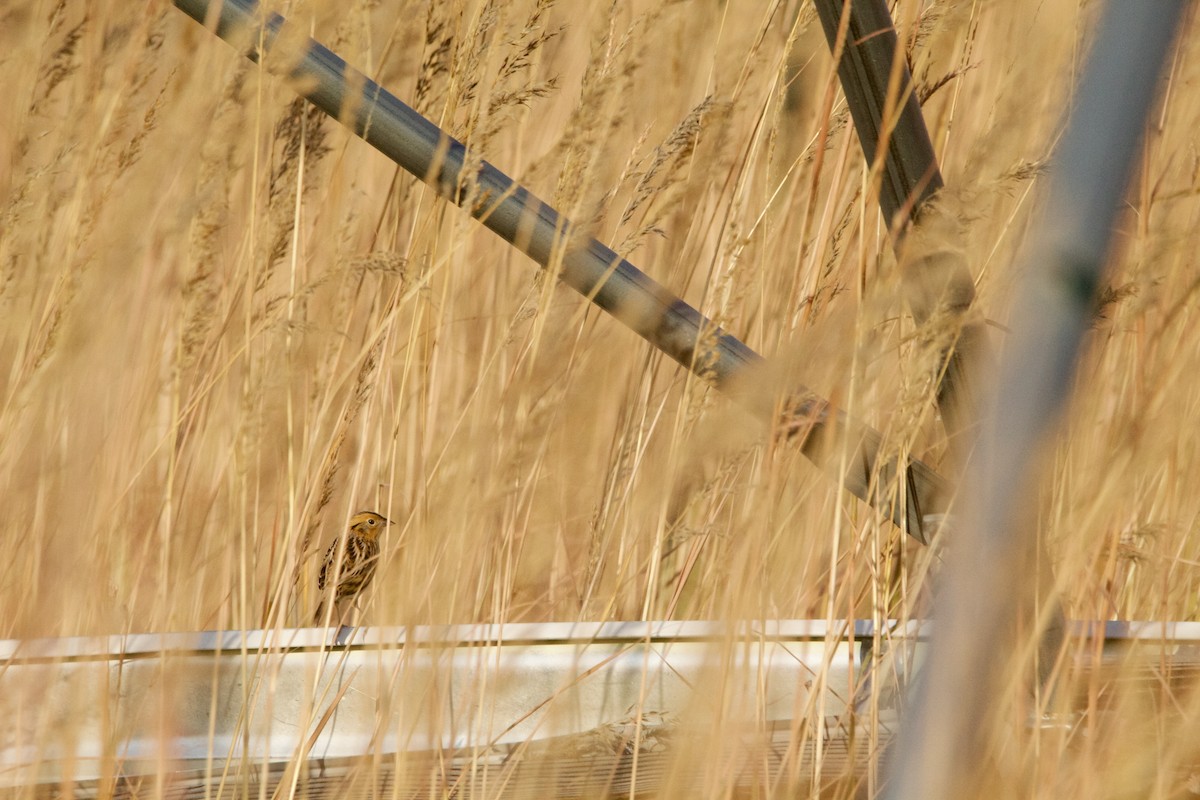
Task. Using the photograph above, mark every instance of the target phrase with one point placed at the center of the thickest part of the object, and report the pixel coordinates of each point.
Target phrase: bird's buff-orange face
(368, 523)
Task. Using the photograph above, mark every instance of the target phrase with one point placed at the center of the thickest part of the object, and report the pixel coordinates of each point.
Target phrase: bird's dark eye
(371, 522)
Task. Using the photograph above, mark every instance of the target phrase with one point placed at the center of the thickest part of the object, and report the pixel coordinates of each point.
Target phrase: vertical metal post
(944, 741)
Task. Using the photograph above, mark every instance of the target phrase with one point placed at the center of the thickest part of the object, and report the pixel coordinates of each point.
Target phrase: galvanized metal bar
(1172, 634)
(906, 493)
(210, 708)
(207, 702)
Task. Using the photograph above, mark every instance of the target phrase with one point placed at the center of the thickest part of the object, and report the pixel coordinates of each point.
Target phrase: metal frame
(326, 701)
(528, 703)
(905, 494)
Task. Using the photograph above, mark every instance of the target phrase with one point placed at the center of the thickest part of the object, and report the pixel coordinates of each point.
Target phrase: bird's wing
(327, 566)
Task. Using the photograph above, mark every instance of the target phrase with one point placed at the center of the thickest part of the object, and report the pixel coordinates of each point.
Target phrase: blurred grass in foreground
(226, 325)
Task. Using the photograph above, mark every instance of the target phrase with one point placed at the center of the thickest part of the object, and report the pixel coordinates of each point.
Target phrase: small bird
(357, 567)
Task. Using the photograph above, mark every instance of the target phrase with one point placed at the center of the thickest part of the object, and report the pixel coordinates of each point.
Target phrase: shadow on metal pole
(904, 492)
(944, 746)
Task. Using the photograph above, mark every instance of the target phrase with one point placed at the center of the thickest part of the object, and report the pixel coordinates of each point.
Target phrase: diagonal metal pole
(905, 492)
(862, 33)
(882, 98)
(944, 747)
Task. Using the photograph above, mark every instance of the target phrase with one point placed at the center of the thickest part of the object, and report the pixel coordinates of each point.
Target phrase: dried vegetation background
(225, 325)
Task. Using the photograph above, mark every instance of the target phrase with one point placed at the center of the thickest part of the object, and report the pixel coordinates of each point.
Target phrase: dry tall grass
(225, 324)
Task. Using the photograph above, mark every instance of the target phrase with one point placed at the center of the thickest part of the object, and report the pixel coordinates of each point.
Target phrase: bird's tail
(319, 617)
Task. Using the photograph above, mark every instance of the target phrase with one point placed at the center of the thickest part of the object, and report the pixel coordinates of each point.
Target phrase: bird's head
(368, 523)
